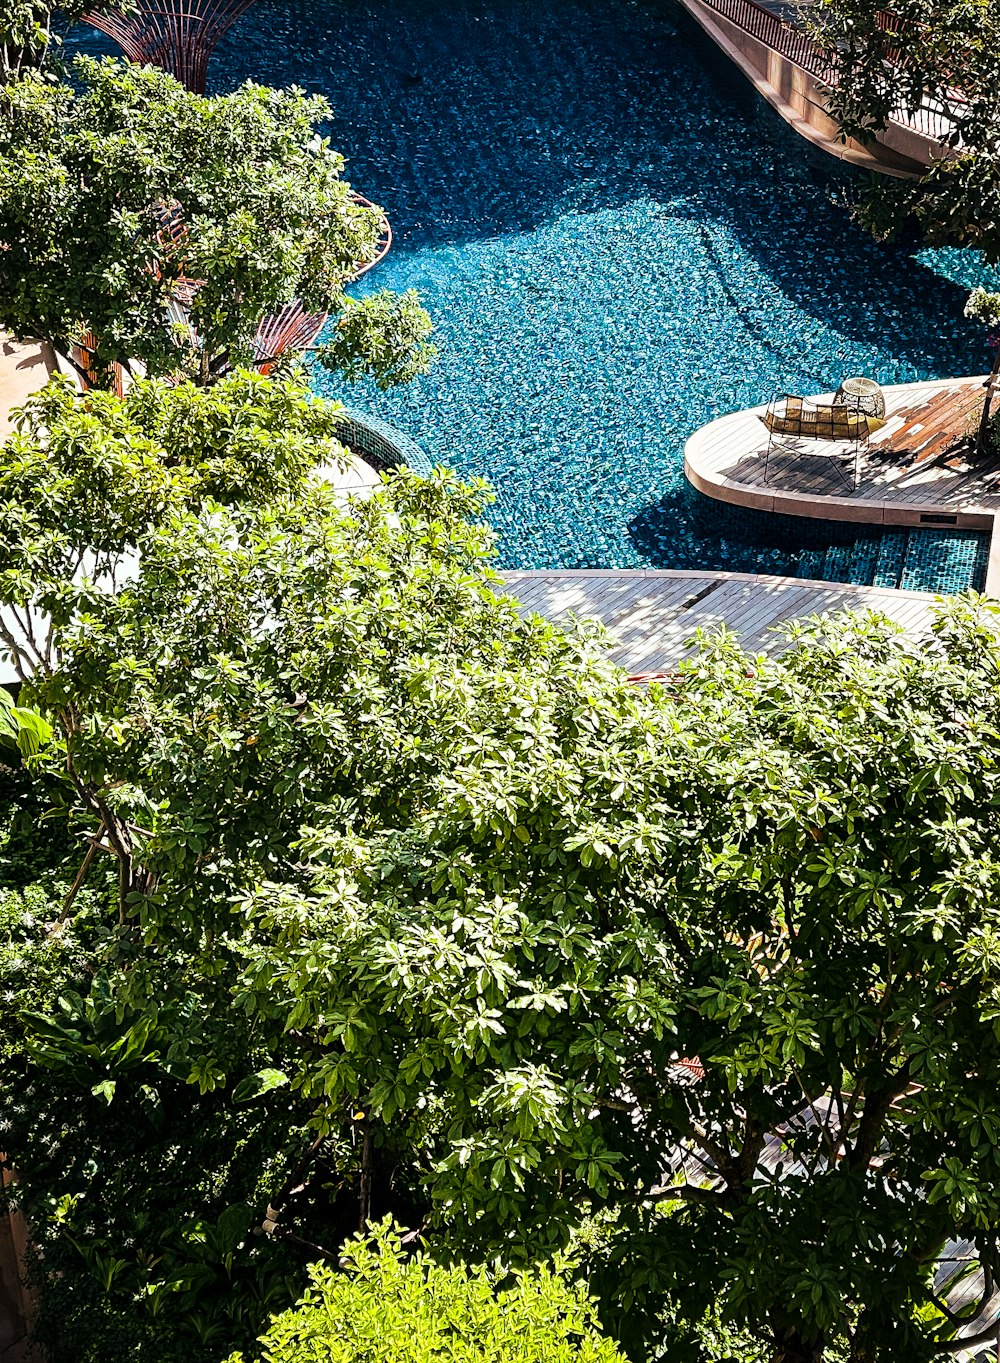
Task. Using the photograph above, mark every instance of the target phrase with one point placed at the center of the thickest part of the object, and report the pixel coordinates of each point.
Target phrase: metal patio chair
(791, 420)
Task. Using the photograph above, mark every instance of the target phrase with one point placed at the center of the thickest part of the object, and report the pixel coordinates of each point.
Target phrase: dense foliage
(387, 1308)
(21, 729)
(784, 870)
(942, 56)
(27, 38)
(143, 1208)
(404, 903)
(167, 224)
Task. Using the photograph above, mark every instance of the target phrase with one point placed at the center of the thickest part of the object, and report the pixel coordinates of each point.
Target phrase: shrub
(387, 1308)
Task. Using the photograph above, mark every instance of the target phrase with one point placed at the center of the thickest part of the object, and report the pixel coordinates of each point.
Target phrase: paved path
(24, 367)
(654, 613)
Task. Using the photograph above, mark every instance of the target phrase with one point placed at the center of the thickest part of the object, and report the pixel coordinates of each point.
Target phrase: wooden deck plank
(540, 604)
(793, 604)
(650, 611)
(919, 463)
(635, 609)
(800, 607)
(653, 636)
(669, 618)
(624, 605)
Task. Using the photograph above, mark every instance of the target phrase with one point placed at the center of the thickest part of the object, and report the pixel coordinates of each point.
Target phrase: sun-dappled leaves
(87, 172)
(714, 963)
(387, 1308)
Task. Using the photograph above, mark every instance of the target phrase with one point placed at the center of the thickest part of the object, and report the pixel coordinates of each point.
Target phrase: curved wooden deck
(917, 471)
(384, 241)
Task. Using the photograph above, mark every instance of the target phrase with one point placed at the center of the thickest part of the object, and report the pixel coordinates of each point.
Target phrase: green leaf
(255, 1085)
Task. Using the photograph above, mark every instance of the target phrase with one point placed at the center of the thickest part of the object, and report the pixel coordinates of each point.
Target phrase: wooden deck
(919, 463)
(919, 469)
(653, 615)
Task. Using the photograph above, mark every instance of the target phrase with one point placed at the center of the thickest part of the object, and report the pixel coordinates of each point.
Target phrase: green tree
(143, 1188)
(937, 61)
(941, 57)
(27, 41)
(780, 872)
(93, 174)
(389, 1308)
(513, 938)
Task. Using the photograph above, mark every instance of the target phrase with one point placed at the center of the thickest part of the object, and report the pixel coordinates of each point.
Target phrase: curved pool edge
(723, 460)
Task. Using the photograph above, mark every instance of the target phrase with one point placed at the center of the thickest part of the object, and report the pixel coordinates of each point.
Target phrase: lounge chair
(797, 418)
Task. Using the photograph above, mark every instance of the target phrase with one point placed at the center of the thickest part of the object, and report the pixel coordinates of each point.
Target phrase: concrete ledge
(25, 366)
(797, 96)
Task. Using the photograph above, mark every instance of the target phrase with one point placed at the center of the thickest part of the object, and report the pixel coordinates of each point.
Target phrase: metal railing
(757, 21)
(776, 33)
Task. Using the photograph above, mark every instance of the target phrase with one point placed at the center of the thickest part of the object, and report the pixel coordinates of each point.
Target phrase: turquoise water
(618, 241)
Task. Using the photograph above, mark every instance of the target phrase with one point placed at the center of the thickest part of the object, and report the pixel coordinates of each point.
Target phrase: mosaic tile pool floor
(618, 241)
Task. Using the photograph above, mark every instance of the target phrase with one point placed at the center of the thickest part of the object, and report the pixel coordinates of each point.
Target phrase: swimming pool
(618, 241)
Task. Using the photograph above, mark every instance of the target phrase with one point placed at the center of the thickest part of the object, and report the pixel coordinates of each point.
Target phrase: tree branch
(954, 1346)
(873, 1116)
(683, 1192)
(17, 655)
(81, 876)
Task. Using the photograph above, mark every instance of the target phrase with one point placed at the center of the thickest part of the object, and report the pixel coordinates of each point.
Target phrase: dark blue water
(618, 241)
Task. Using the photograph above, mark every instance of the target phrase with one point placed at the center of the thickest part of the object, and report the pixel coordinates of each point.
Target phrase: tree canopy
(166, 225)
(428, 910)
(780, 874)
(942, 56)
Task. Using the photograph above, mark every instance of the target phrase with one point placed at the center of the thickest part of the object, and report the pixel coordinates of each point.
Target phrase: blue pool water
(618, 241)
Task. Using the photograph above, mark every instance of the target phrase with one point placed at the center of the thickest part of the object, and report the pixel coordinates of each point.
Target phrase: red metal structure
(290, 328)
(81, 355)
(179, 35)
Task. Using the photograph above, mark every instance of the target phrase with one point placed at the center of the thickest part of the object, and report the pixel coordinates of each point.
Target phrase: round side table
(861, 395)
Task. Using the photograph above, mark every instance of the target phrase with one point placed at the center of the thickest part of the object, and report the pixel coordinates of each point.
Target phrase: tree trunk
(365, 1193)
(984, 420)
(790, 1347)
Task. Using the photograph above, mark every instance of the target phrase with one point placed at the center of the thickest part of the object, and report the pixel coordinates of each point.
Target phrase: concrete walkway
(25, 366)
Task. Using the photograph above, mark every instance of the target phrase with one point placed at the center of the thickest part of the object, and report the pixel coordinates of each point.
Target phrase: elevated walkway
(789, 71)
